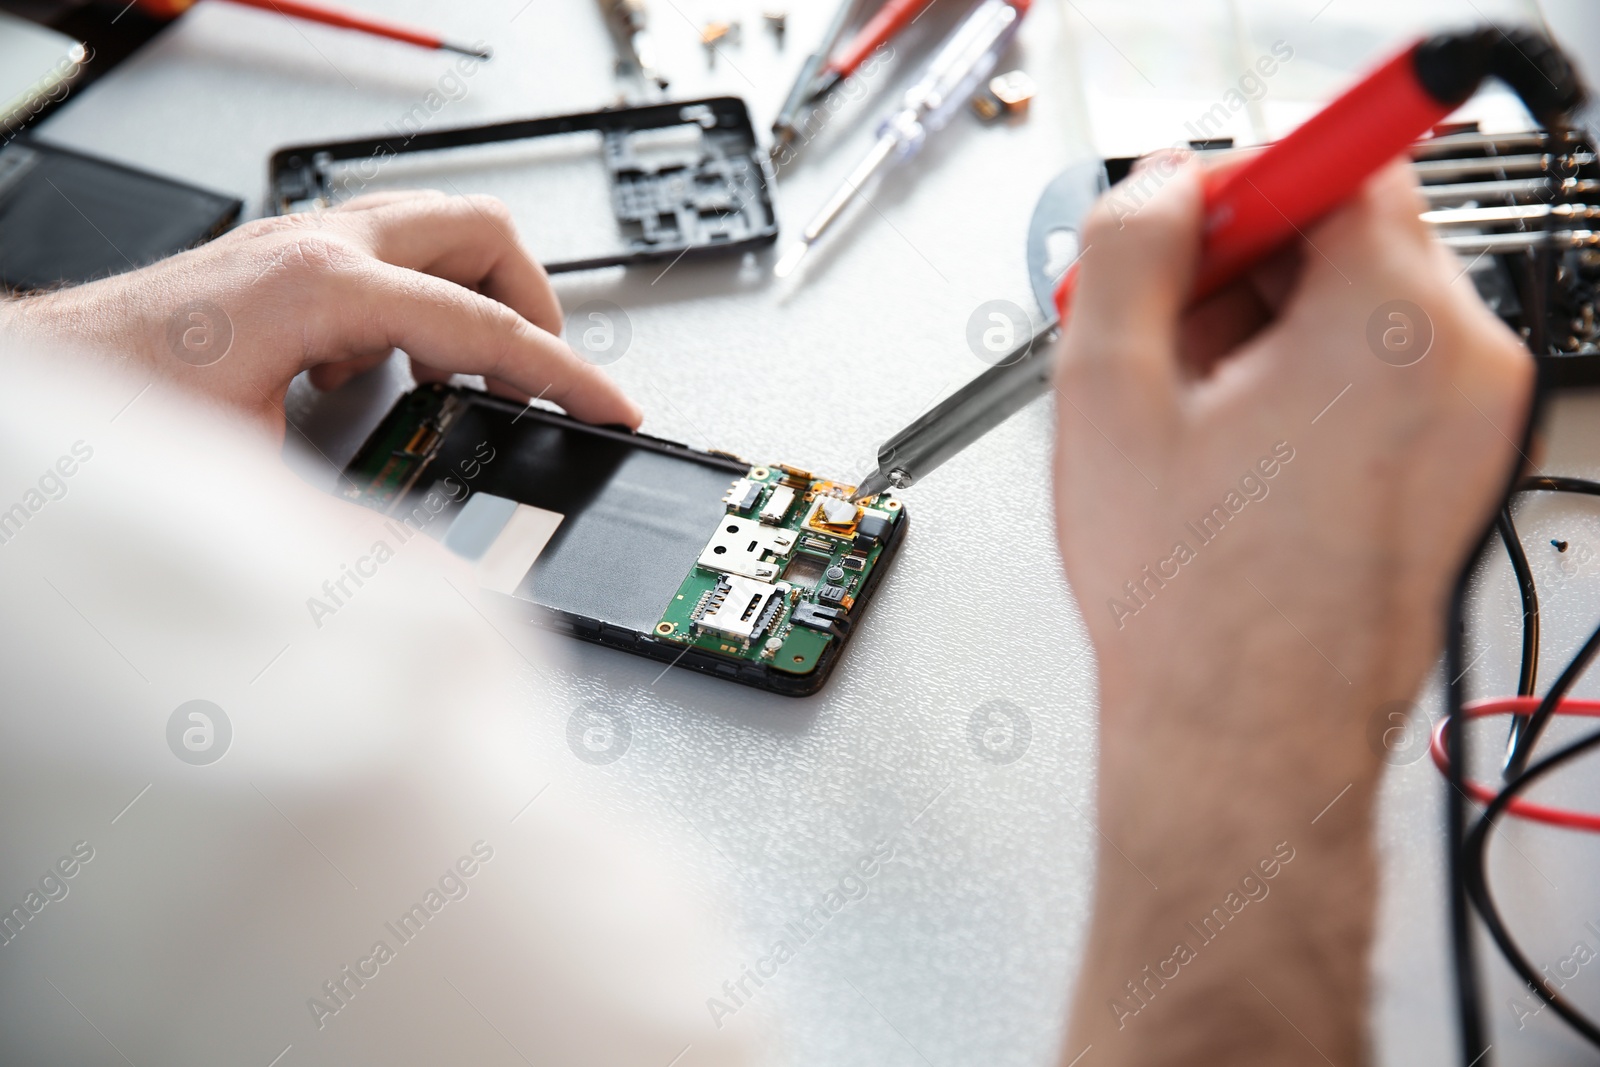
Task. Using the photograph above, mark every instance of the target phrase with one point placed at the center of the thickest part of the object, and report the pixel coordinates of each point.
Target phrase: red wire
(1563, 817)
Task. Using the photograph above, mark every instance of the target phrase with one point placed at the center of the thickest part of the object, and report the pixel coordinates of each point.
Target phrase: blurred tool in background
(891, 18)
(949, 80)
(328, 16)
(784, 127)
(630, 23)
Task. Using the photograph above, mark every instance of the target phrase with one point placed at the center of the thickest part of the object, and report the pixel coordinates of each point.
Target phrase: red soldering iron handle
(1260, 204)
(1256, 207)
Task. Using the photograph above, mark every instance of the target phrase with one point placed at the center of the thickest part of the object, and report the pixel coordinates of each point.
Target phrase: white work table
(965, 945)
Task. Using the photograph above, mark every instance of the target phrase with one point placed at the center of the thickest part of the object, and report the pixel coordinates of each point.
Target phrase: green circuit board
(400, 447)
(776, 583)
(773, 603)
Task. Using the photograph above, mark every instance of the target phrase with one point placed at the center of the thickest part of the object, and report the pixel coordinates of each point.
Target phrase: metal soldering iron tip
(467, 49)
(871, 486)
(791, 259)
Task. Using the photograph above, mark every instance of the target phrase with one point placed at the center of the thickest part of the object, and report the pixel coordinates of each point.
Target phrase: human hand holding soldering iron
(442, 277)
(1262, 520)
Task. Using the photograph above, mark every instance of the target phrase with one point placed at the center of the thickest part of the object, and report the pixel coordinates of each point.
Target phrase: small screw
(777, 21)
(715, 33)
(1561, 546)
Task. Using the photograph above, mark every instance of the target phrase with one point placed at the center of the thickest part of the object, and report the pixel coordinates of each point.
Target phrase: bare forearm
(1236, 882)
(1239, 673)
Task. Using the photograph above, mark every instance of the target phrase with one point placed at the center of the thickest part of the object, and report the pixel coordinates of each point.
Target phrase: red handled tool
(890, 19)
(1257, 206)
(329, 16)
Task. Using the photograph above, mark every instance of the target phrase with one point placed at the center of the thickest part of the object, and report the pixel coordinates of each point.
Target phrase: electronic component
(833, 515)
(820, 576)
(806, 570)
(741, 607)
(742, 496)
(873, 526)
(424, 441)
(741, 547)
(1006, 94)
(778, 504)
(836, 512)
(816, 617)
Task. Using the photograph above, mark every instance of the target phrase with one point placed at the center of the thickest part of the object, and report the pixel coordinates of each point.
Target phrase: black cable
(1556, 483)
(1463, 950)
(1528, 675)
(1517, 762)
(1469, 1009)
(1469, 862)
(1469, 857)
(1475, 858)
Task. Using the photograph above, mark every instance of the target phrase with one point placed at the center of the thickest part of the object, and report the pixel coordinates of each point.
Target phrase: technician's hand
(1262, 520)
(442, 277)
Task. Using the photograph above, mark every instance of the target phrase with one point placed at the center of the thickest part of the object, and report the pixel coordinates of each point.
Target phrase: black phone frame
(299, 173)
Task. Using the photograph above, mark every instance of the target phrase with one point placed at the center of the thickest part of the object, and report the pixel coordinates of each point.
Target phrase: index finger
(469, 240)
(453, 329)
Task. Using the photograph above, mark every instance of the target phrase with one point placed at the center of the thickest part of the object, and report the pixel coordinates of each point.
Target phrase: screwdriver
(785, 128)
(894, 16)
(1258, 205)
(329, 16)
(949, 80)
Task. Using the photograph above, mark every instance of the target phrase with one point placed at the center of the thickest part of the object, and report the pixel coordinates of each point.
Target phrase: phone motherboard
(780, 575)
(699, 559)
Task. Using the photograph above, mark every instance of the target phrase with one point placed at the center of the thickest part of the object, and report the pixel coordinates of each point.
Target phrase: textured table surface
(964, 947)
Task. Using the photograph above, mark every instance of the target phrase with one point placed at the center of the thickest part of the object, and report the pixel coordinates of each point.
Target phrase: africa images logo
(199, 732)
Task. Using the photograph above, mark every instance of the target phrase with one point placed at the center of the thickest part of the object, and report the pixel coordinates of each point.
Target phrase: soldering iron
(1259, 204)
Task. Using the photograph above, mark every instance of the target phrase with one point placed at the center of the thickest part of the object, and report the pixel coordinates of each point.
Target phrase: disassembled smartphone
(753, 573)
(607, 188)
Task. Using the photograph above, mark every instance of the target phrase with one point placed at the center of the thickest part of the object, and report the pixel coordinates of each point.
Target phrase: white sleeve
(338, 857)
